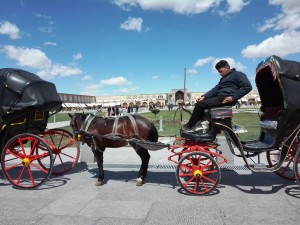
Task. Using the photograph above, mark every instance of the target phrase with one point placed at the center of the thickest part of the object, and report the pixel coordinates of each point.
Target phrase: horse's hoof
(98, 183)
(139, 182)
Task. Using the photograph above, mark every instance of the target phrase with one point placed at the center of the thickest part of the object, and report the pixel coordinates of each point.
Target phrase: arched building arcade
(142, 100)
(145, 100)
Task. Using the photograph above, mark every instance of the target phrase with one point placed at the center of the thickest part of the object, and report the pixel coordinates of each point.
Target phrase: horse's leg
(98, 153)
(145, 157)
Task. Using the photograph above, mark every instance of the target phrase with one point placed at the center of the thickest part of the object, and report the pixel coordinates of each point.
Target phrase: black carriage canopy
(20, 90)
(278, 84)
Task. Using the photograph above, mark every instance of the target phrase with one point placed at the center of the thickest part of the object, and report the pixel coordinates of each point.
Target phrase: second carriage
(30, 152)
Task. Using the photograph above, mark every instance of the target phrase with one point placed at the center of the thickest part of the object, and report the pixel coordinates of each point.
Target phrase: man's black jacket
(235, 84)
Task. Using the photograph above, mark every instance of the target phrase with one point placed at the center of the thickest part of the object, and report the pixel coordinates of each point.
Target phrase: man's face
(224, 71)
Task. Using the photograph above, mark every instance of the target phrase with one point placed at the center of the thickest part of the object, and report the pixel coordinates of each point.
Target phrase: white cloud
(192, 71)
(231, 62)
(94, 90)
(182, 7)
(126, 90)
(49, 26)
(77, 56)
(49, 43)
(10, 29)
(115, 81)
(155, 77)
(280, 45)
(86, 77)
(289, 19)
(234, 6)
(285, 43)
(214, 60)
(288, 6)
(39, 15)
(204, 61)
(28, 57)
(133, 24)
(59, 70)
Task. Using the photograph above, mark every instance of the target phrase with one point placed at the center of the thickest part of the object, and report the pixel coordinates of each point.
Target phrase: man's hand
(200, 99)
(227, 100)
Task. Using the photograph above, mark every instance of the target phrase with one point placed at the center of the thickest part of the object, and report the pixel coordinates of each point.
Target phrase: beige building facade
(175, 97)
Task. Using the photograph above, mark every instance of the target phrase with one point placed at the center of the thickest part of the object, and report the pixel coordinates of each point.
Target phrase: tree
(154, 111)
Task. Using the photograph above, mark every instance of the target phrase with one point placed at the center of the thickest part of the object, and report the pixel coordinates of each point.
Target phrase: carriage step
(260, 167)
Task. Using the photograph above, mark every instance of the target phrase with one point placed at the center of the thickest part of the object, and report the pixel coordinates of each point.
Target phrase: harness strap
(87, 122)
(115, 126)
(133, 122)
(136, 132)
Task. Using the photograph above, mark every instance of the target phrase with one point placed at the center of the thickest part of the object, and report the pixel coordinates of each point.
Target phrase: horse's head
(76, 122)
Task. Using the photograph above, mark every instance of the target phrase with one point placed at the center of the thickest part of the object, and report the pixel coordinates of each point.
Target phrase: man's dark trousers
(205, 104)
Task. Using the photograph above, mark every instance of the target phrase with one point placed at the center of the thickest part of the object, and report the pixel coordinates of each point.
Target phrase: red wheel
(21, 158)
(287, 169)
(198, 173)
(65, 150)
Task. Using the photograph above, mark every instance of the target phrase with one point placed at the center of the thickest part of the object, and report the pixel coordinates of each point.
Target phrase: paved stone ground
(241, 197)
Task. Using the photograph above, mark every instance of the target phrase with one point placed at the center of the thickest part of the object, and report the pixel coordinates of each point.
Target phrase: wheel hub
(26, 162)
(198, 173)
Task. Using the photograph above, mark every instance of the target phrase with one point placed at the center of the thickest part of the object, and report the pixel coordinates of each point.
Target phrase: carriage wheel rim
(19, 161)
(188, 173)
(63, 160)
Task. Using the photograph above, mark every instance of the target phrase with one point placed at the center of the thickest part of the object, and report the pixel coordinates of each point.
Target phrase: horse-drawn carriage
(29, 152)
(197, 154)
(278, 82)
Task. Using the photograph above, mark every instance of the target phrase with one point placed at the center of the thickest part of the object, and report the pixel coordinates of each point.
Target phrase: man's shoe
(186, 128)
(201, 126)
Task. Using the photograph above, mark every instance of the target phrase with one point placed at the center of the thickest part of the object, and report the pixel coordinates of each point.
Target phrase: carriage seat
(200, 137)
(268, 124)
(213, 114)
(259, 146)
(268, 119)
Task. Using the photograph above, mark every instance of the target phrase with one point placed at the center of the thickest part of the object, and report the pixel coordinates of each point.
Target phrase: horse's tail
(153, 134)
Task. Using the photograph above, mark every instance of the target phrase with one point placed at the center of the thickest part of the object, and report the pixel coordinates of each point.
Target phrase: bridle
(76, 130)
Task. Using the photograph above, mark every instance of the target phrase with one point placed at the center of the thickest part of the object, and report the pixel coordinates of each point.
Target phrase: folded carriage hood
(21, 89)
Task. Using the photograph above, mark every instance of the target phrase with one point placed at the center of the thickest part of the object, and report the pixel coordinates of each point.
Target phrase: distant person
(112, 113)
(232, 86)
(128, 109)
(108, 111)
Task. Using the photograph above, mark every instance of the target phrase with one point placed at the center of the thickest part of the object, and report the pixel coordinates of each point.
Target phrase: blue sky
(127, 47)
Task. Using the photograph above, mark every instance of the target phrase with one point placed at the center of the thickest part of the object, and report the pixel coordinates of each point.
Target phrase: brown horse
(114, 132)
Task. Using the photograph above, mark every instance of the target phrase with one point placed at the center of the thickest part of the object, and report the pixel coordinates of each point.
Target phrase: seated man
(232, 86)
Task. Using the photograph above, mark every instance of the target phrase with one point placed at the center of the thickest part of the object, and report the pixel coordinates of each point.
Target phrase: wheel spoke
(189, 181)
(21, 174)
(186, 174)
(31, 176)
(196, 185)
(39, 168)
(208, 179)
(210, 172)
(13, 167)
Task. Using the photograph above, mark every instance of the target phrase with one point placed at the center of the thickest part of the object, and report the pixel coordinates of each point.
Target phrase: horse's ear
(70, 115)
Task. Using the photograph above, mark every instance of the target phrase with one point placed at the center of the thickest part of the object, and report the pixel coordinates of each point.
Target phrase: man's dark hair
(221, 64)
